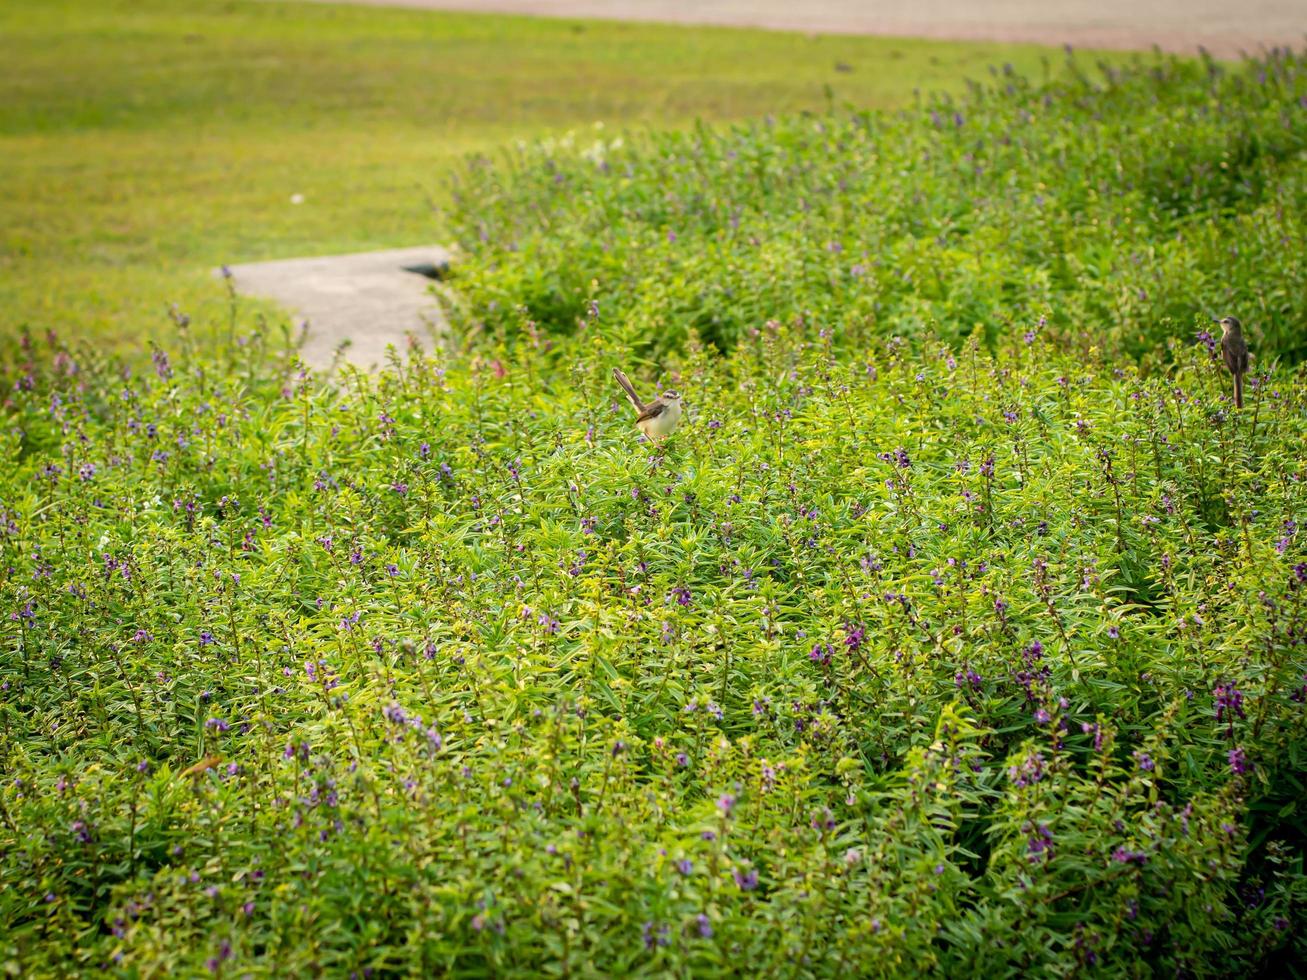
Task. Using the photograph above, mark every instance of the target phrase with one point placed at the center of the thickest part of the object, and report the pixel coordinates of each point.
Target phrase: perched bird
(1234, 351)
(656, 419)
(201, 767)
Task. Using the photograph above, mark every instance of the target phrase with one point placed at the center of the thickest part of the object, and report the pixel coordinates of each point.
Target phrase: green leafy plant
(887, 663)
(1115, 203)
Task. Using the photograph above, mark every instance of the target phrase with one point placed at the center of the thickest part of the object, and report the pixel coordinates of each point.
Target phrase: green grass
(144, 143)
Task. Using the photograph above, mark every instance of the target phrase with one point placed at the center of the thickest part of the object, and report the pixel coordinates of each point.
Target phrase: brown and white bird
(656, 419)
(1234, 351)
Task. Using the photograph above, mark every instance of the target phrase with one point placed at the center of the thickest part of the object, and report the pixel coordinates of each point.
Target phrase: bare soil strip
(1226, 28)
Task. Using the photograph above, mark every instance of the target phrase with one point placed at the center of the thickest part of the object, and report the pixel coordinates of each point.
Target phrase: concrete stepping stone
(371, 299)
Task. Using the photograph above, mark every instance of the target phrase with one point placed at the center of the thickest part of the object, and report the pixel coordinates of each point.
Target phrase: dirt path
(1224, 27)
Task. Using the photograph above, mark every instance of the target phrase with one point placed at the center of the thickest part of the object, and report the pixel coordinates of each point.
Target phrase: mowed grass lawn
(143, 142)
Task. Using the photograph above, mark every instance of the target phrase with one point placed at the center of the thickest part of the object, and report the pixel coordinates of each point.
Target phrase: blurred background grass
(144, 142)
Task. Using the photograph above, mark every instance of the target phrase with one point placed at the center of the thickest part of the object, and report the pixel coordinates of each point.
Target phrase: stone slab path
(1224, 27)
(369, 298)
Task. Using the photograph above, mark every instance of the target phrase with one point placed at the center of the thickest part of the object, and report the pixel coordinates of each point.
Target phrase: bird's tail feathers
(1238, 391)
(625, 382)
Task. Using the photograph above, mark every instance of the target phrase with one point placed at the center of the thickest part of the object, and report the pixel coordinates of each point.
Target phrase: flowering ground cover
(1116, 201)
(917, 649)
(890, 662)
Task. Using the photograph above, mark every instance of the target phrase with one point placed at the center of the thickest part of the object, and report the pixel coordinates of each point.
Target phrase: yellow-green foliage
(886, 663)
(1117, 203)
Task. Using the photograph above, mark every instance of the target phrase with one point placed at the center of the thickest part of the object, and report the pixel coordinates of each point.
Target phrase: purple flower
(1145, 761)
(1088, 727)
(1229, 705)
(1040, 844)
(1239, 763)
(655, 935)
(685, 866)
(747, 881)
(1290, 528)
(968, 676)
(1029, 771)
(217, 724)
(823, 821)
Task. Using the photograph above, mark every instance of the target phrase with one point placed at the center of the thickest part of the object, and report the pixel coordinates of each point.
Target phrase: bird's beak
(1216, 319)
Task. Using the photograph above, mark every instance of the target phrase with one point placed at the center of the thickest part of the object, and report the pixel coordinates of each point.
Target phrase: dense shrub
(1117, 203)
(890, 662)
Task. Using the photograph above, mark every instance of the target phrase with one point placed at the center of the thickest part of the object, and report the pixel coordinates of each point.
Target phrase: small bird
(201, 767)
(656, 419)
(1234, 351)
